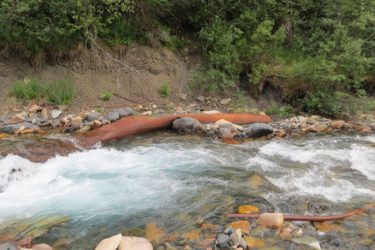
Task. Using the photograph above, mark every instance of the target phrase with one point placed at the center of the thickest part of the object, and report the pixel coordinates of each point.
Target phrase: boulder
(111, 243)
(223, 240)
(134, 243)
(256, 130)
(12, 128)
(92, 116)
(125, 111)
(113, 116)
(274, 220)
(187, 125)
(236, 237)
(33, 108)
(225, 133)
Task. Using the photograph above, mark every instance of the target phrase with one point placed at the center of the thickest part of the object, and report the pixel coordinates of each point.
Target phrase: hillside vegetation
(318, 54)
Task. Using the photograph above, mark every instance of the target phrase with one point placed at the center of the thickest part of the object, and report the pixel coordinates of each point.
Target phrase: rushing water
(176, 180)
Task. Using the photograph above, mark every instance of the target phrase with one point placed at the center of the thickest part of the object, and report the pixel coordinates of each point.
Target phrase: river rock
(223, 240)
(44, 113)
(125, 111)
(4, 118)
(77, 122)
(134, 243)
(210, 112)
(41, 247)
(308, 241)
(313, 120)
(18, 118)
(274, 220)
(84, 129)
(225, 133)
(183, 97)
(153, 233)
(8, 246)
(55, 113)
(147, 112)
(111, 243)
(241, 224)
(12, 128)
(236, 237)
(187, 125)
(34, 108)
(113, 116)
(256, 130)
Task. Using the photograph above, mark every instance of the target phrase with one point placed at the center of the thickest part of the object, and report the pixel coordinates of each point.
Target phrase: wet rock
(25, 242)
(246, 209)
(223, 240)
(256, 130)
(192, 235)
(308, 241)
(111, 243)
(200, 98)
(252, 242)
(134, 243)
(12, 128)
(123, 112)
(18, 118)
(153, 233)
(187, 125)
(55, 113)
(225, 101)
(318, 128)
(241, 224)
(274, 220)
(41, 247)
(113, 116)
(225, 133)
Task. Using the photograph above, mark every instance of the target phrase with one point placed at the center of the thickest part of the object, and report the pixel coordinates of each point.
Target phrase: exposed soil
(134, 76)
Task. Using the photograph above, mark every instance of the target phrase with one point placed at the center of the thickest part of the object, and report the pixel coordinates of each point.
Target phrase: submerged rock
(308, 241)
(111, 243)
(187, 125)
(153, 233)
(256, 130)
(134, 243)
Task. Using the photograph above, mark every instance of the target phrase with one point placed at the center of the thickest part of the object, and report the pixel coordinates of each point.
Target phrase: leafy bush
(165, 90)
(57, 92)
(281, 111)
(211, 81)
(106, 96)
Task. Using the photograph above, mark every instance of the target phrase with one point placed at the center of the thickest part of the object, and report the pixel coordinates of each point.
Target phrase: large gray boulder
(11, 128)
(256, 130)
(187, 125)
(125, 111)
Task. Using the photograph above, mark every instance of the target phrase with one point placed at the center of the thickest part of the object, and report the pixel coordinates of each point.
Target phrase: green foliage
(211, 81)
(280, 111)
(165, 90)
(332, 104)
(106, 96)
(57, 92)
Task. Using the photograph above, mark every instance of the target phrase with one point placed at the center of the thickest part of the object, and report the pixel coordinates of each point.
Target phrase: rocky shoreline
(39, 120)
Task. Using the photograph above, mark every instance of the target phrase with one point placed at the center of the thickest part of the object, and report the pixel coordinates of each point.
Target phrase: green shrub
(211, 81)
(331, 104)
(165, 90)
(280, 111)
(27, 90)
(106, 96)
(57, 92)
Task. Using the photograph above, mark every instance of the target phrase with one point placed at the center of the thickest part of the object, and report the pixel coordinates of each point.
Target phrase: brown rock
(18, 118)
(33, 108)
(25, 242)
(337, 124)
(241, 224)
(153, 233)
(313, 120)
(147, 112)
(42, 247)
(192, 235)
(84, 129)
(45, 113)
(318, 128)
(77, 122)
(111, 243)
(254, 242)
(274, 220)
(134, 243)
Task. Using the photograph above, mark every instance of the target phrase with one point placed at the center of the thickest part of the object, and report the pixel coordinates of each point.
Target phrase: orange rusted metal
(133, 125)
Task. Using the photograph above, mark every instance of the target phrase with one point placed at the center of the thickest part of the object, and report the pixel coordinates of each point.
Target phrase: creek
(175, 181)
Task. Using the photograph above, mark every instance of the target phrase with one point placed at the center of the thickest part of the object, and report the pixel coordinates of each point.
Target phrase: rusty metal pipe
(312, 218)
(133, 125)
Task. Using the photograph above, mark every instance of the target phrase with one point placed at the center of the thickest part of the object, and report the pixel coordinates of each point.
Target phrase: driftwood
(313, 218)
(133, 125)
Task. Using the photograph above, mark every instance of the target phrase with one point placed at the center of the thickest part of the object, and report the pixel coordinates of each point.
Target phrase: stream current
(174, 181)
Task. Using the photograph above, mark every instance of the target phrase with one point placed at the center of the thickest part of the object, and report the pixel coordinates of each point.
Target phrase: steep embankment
(135, 76)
